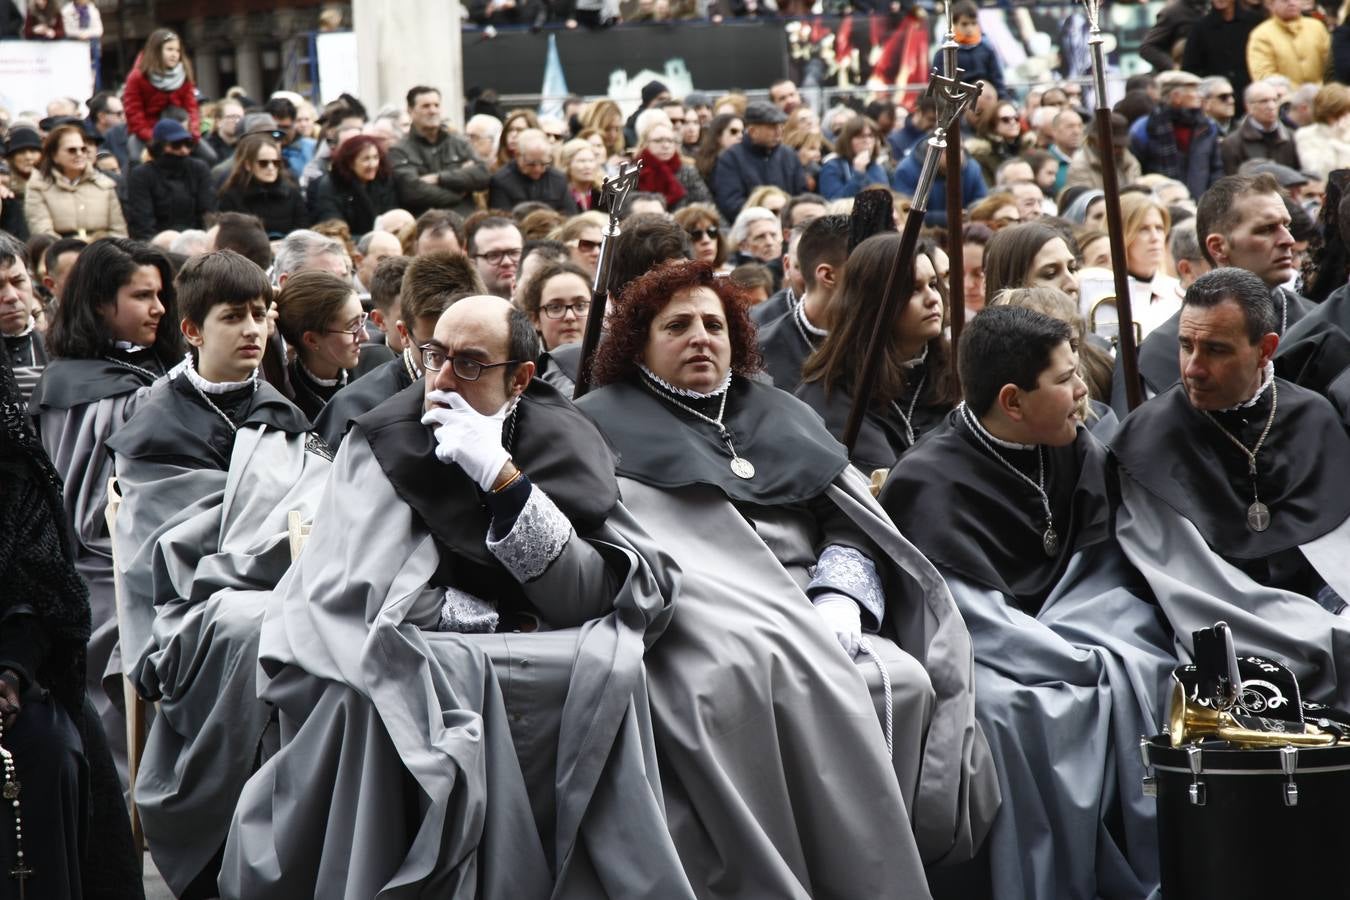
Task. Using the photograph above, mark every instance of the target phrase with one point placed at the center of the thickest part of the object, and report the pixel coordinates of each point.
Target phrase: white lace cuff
(844, 570)
(537, 538)
(467, 614)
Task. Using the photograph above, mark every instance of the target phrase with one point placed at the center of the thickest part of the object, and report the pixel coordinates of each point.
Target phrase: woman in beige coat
(67, 196)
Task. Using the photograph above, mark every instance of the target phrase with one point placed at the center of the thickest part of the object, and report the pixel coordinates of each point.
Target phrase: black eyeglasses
(434, 359)
(558, 310)
(698, 234)
(181, 145)
(1008, 119)
(497, 257)
(267, 163)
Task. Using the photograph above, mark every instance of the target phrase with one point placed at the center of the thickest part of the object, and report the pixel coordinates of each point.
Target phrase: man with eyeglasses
(1219, 102)
(495, 245)
(486, 641)
(108, 120)
(1261, 135)
(430, 284)
(532, 177)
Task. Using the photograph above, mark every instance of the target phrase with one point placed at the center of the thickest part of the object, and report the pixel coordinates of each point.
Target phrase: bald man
(482, 635)
(532, 176)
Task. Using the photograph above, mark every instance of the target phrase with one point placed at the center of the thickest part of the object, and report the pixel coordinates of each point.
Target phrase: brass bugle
(1190, 723)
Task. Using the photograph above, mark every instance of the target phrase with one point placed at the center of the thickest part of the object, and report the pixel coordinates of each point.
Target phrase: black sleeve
(1156, 48)
(23, 645)
(140, 207)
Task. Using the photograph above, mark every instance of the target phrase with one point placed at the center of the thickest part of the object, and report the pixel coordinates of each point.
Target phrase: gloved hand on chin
(468, 438)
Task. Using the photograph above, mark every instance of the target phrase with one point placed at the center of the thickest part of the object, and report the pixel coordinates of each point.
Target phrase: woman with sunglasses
(173, 190)
(999, 141)
(260, 184)
(320, 316)
(67, 196)
(583, 234)
(359, 185)
(725, 130)
(704, 227)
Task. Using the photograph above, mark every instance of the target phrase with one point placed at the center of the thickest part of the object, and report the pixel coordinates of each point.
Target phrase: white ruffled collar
(800, 311)
(324, 382)
(189, 369)
(685, 392)
(1267, 379)
(128, 347)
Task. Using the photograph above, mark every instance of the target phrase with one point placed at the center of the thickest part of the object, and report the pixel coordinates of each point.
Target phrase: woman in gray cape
(782, 777)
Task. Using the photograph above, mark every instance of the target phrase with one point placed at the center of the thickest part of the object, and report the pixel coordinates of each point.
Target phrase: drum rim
(1301, 770)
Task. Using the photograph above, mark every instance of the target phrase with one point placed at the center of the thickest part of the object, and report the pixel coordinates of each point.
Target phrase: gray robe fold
(419, 763)
(1063, 699)
(199, 551)
(778, 782)
(1196, 588)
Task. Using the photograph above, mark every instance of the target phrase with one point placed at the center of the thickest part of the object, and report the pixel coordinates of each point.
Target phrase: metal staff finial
(952, 98)
(1093, 10)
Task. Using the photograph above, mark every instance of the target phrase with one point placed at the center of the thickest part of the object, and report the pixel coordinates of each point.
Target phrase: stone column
(401, 43)
(204, 57)
(247, 62)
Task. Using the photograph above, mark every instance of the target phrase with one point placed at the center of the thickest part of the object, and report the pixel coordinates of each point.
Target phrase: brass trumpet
(1190, 723)
(1110, 301)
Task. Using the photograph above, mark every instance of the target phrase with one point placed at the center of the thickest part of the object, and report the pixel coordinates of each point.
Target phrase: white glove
(467, 437)
(844, 618)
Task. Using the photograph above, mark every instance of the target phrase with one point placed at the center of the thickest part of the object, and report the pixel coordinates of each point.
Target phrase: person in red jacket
(161, 77)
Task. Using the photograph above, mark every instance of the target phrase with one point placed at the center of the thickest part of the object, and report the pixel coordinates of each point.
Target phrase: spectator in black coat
(531, 176)
(1173, 25)
(760, 158)
(358, 187)
(173, 190)
(1217, 44)
(260, 184)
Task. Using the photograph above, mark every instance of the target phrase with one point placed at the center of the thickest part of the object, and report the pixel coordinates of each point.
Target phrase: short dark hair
(824, 240)
(439, 220)
(474, 226)
(431, 283)
(553, 251)
(1217, 212)
(77, 330)
(419, 90)
(279, 108)
(1244, 289)
(244, 234)
(523, 341)
(387, 282)
(307, 301)
(99, 102)
(11, 248)
(52, 255)
(1006, 345)
(965, 9)
(795, 201)
(645, 242)
(221, 276)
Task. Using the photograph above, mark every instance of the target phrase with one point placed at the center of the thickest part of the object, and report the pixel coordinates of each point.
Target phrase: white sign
(338, 74)
(33, 72)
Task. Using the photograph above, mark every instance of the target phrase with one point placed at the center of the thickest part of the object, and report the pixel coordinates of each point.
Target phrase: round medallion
(1050, 541)
(742, 467)
(12, 789)
(1258, 516)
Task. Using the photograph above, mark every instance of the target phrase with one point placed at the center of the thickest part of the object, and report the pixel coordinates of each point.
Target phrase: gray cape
(199, 551)
(417, 762)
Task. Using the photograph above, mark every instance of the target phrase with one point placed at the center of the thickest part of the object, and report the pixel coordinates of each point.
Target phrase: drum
(1250, 823)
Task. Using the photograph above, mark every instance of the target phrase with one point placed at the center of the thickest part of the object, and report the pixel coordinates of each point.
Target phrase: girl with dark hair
(359, 185)
(914, 388)
(1032, 254)
(320, 316)
(115, 332)
(796, 591)
(210, 465)
(557, 300)
(853, 165)
(722, 132)
(260, 184)
(161, 77)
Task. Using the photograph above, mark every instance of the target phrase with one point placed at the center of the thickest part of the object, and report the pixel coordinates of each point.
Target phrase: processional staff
(952, 98)
(956, 291)
(1115, 227)
(613, 194)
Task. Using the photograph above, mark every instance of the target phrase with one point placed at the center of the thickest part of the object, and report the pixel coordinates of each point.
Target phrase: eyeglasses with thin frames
(434, 359)
(355, 332)
(559, 310)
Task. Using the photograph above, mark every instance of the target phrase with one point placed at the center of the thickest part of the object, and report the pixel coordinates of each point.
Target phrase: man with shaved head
(476, 624)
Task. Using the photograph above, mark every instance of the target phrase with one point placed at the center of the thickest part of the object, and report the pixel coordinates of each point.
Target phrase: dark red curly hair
(344, 157)
(633, 311)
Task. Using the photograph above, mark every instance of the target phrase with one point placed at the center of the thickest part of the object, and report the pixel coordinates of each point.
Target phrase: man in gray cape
(1232, 502)
(460, 679)
(1071, 657)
